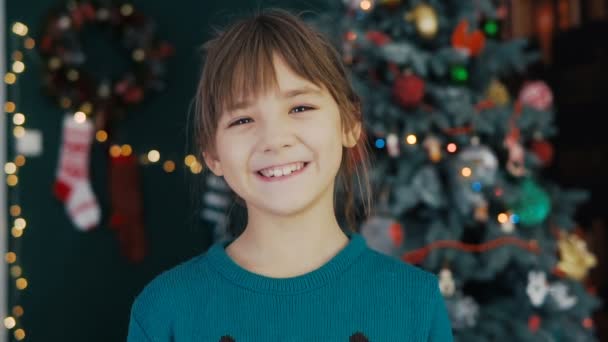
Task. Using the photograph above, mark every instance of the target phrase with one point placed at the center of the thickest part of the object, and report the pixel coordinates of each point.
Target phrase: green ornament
(490, 28)
(460, 73)
(533, 204)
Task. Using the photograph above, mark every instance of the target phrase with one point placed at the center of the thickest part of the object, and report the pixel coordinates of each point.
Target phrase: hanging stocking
(126, 205)
(72, 186)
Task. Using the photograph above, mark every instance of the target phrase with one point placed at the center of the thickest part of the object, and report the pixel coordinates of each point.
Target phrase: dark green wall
(80, 288)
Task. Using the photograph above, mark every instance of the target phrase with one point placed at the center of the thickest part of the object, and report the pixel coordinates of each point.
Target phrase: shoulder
(167, 291)
(413, 281)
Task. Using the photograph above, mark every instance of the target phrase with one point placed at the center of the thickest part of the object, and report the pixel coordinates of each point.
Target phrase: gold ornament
(576, 260)
(427, 22)
(433, 147)
(498, 93)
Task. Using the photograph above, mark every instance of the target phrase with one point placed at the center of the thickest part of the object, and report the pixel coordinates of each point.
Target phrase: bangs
(248, 72)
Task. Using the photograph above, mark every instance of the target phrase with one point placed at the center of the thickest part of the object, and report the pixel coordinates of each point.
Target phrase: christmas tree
(457, 166)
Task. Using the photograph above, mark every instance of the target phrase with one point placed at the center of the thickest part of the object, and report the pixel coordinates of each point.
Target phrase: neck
(287, 246)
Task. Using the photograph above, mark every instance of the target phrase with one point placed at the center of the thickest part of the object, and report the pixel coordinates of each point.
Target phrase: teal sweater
(358, 295)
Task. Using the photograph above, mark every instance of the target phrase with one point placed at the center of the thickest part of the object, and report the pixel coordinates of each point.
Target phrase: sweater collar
(224, 264)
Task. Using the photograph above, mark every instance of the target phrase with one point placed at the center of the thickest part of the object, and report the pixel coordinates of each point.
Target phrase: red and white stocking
(72, 185)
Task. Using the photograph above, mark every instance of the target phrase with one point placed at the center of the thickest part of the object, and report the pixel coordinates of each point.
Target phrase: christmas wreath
(76, 87)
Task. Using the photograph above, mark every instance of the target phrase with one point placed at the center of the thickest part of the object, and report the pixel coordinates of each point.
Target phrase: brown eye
(238, 122)
(307, 108)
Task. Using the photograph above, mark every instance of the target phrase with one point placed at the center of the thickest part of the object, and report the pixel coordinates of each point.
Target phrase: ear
(213, 163)
(351, 136)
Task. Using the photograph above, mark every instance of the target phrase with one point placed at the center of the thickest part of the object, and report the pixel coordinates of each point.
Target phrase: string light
(20, 29)
(503, 218)
(365, 5)
(10, 78)
(411, 139)
(18, 119)
(466, 171)
(18, 131)
(9, 107)
(126, 150)
(101, 136)
(12, 169)
(153, 156)
(18, 67)
(29, 43)
(20, 160)
(451, 147)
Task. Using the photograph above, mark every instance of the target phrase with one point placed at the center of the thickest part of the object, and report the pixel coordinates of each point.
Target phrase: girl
(279, 121)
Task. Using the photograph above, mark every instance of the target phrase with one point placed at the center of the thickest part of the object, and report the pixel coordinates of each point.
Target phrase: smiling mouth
(281, 173)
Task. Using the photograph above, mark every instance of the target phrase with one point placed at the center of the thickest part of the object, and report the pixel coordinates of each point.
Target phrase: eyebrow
(305, 90)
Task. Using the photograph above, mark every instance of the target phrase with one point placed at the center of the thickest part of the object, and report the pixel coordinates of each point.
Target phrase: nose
(276, 135)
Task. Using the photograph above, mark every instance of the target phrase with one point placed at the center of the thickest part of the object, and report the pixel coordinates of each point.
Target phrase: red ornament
(588, 323)
(377, 37)
(471, 43)
(408, 90)
(536, 94)
(396, 233)
(534, 323)
(543, 151)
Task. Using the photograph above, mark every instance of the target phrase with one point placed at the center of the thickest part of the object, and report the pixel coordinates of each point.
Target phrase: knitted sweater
(358, 295)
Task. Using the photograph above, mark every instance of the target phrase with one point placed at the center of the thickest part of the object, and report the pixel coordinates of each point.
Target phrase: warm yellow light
(12, 180)
(452, 147)
(138, 55)
(115, 151)
(16, 271)
(18, 67)
(196, 167)
(20, 29)
(19, 334)
(21, 283)
(10, 78)
(72, 75)
(10, 257)
(101, 136)
(16, 232)
(169, 166)
(86, 107)
(54, 63)
(126, 10)
(80, 117)
(9, 107)
(17, 311)
(18, 119)
(18, 131)
(29, 43)
(10, 168)
(20, 160)
(126, 150)
(189, 160)
(9, 322)
(365, 5)
(20, 223)
(17, 55)
(153, 156)
(466, 171)
(15, 210)
(411, 139)
(503, 218)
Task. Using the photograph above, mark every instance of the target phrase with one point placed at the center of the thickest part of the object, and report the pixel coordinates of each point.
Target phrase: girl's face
(298, 122)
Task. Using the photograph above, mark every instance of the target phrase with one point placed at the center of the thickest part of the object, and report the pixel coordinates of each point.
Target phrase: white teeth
(282, 171)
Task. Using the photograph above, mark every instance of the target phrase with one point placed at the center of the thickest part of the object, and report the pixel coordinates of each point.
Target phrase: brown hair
(239, 61)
